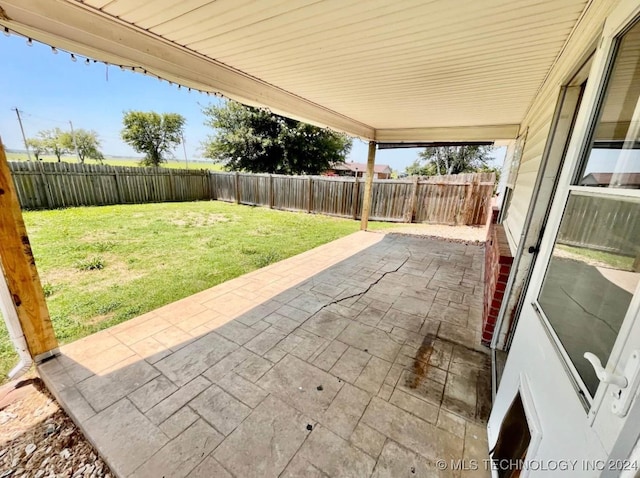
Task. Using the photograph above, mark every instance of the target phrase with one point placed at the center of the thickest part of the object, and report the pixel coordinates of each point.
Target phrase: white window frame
(588, 115)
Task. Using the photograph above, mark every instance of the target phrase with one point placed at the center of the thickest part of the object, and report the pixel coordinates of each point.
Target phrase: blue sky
(52, 90)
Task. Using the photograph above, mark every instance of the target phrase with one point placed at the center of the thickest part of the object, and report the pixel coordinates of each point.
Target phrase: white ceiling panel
(361, 65)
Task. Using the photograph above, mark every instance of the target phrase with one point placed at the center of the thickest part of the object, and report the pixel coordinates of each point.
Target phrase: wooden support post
(310, 199)
(19, 269)
(355, 197)
(368, 186)
(413, 204)
(237, 187)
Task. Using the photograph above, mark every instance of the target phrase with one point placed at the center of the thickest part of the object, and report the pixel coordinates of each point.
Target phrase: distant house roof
(604, 179)
(377, 168)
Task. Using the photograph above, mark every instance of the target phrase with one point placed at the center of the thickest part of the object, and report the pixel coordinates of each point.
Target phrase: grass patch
(48, 289)
(90, 264)
(104, 265)
(599, 258)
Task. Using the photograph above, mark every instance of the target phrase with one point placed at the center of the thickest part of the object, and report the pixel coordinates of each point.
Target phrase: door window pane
(592, 276)
(614, 156)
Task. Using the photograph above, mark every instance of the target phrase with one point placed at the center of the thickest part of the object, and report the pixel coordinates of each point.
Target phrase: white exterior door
(582, 307)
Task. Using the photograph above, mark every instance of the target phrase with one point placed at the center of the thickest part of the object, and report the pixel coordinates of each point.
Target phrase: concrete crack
(360, 294)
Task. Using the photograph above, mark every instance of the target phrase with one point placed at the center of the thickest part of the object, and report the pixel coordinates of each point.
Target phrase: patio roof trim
(86, 31)
(104, 38)
(449, 134)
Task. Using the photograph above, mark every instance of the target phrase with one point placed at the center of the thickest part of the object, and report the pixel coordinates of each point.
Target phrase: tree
(37, 147)
(255, 140)
(87, 142)
(451, 160)
(418, 169)
(152, 133)
(52, 140)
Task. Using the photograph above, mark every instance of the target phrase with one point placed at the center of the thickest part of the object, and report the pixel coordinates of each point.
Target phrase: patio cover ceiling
(385, 70)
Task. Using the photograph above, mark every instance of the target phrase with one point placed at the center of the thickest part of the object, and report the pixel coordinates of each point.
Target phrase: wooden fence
(457, 199)
(602, 224)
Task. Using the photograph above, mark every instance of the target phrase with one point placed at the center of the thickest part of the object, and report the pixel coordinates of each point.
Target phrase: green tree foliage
(152, 133)
(418, 169)
(255, 140)
(450, 160)
(87, 141)
(37, 147)
(52, 141)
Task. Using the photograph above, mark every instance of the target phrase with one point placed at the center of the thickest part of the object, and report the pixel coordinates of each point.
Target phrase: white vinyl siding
(539, 117)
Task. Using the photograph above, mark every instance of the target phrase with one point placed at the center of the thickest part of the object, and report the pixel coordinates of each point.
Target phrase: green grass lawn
(599, 258)
(100, 266)
(172, 164)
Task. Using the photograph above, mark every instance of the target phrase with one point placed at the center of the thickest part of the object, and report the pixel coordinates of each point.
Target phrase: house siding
(534, 362)
(537, 127)
(537, 121)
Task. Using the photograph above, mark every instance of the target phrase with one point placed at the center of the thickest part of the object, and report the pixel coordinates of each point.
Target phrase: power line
(37, 121)
(42, 118)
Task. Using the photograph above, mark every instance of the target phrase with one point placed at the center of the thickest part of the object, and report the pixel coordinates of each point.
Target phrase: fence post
(237, 187)
(172, 185)
(210, 182)
(310, 202)
(45, 185)
(355, 197)
(413, 205)
(116, 176)
(467, 210)
(270, 191)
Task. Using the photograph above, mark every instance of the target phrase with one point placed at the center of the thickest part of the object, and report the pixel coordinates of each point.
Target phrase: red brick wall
(497, 266)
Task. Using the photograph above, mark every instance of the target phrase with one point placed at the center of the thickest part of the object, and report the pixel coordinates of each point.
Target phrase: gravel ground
(38, 439)
(467, 234)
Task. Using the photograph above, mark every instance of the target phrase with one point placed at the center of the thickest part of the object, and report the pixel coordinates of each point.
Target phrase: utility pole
(184, 148)
(75, 145)
(24, 138)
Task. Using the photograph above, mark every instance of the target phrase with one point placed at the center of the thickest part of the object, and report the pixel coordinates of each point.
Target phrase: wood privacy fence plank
(456, 199)
(608, 225)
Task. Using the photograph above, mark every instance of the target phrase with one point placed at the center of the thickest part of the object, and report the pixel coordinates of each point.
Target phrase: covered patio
(361, 357)
(358, 358)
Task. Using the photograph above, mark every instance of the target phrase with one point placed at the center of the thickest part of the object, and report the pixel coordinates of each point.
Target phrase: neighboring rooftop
(631, 180)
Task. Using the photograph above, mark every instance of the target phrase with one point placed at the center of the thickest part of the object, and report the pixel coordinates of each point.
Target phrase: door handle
(603, 375)
(626, 385)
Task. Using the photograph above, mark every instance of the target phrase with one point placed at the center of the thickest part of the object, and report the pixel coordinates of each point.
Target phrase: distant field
(174, 164)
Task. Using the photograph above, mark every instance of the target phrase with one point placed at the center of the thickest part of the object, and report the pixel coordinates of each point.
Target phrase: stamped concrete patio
(359, 358)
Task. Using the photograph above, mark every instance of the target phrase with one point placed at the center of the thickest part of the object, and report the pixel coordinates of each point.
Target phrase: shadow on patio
(358, 358)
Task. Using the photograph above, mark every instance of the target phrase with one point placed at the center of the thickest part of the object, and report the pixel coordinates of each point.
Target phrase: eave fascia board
(449, 134)
(86, 31)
